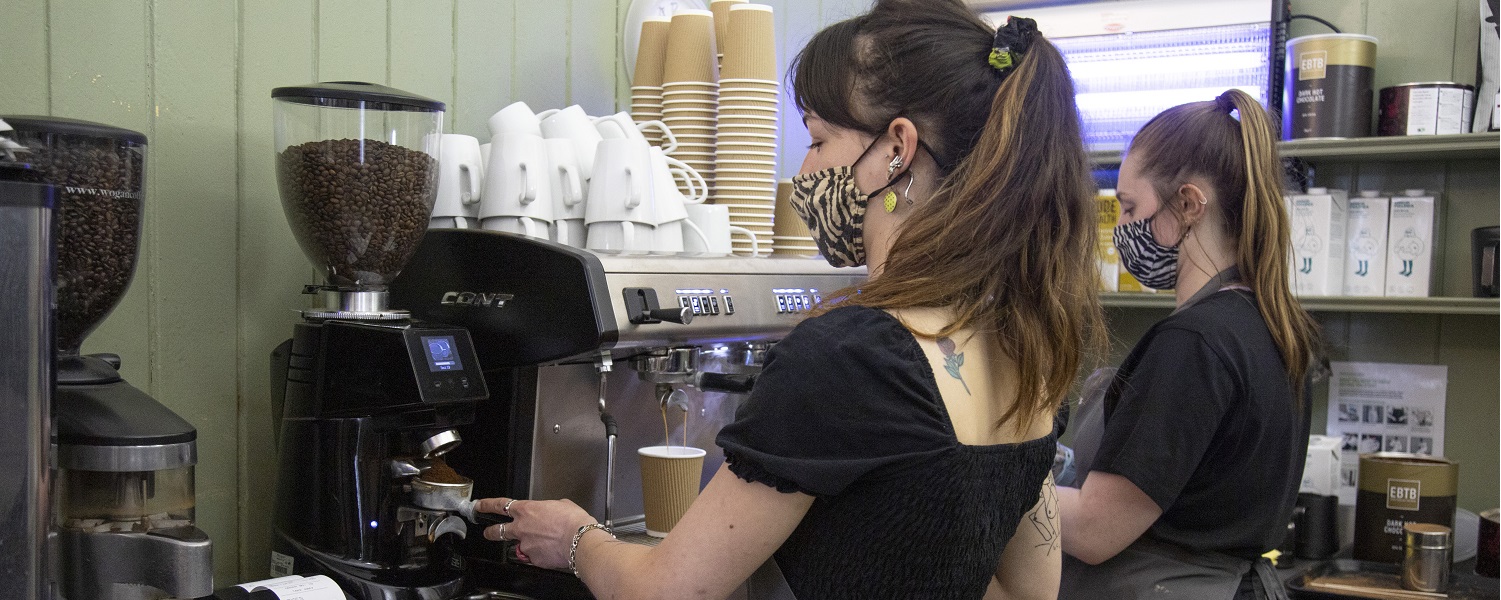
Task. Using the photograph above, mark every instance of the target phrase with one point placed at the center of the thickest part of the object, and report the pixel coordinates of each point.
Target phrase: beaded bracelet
(573, 551)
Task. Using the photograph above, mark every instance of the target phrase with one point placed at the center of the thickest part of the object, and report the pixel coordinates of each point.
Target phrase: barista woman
(897, 445)
(1196, 467)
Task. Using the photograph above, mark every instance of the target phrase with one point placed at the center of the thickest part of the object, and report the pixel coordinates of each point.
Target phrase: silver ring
(501, 533)
(507, 508)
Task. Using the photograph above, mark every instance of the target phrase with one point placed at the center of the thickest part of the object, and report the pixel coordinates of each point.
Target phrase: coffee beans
(359, 207)
(100, 225)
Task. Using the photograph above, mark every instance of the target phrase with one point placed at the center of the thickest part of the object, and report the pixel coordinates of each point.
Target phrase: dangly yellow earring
(889, 201)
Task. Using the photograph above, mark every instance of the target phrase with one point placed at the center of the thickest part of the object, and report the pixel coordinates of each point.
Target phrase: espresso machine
(369, 399)
(122, 488)
(587, 354)
(27, 259)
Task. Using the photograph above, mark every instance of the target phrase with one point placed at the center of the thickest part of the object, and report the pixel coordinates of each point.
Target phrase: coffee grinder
(123, 494)
(369, 399)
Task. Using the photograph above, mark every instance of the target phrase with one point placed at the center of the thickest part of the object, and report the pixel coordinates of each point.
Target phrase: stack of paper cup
(721, 10)
(790, 235)
(746, 158)
(690, 94)
(646, 85)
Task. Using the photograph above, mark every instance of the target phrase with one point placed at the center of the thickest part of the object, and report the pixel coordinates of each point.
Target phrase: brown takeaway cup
(669, 483)
(651, 52)
(750, 43)
(690, 48)
(721, 10)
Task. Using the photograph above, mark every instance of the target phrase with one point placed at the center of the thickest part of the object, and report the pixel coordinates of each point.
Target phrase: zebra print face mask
(1151, 263)
(834, 209)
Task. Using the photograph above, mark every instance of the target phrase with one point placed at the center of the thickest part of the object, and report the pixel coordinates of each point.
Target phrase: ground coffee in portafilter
(359, 207)
(99, 230)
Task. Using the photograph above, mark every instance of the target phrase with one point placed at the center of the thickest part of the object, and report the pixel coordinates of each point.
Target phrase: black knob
(726, 382)
(682, 315)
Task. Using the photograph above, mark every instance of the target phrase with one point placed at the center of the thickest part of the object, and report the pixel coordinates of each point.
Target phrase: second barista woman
(1189, 466)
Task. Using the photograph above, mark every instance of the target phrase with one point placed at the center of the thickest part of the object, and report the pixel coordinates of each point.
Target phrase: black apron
(1149, 568)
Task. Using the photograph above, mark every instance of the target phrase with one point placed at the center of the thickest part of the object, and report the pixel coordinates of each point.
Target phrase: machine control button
(729, 306)
(804, 301)
(781, 304)
(704, 300)
(464, 382)
(683, 301)
(697, 307)
(713, 305)
(817, 299)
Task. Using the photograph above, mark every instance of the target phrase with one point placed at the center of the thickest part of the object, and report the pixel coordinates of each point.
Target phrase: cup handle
(627, 236)
(632, 200)
(698, 187)
(470, 174)
(669, 141)
(528, 185)
(461, 222)
(529, 225)
(755, 244)
(548, 113)
(573, 192)
(618, 131)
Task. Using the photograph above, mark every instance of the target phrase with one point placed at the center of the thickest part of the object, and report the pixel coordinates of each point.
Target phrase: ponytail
(1265, 243)
(1007, 241)
(1241, 161)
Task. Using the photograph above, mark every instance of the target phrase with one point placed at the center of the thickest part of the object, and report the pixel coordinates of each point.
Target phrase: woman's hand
(543, 529)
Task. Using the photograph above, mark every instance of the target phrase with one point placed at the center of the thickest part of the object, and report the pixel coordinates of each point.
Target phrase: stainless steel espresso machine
(368, 398)
(585, 354)
(122, 483)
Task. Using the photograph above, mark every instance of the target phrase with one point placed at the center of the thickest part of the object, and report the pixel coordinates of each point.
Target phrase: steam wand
(606, 364)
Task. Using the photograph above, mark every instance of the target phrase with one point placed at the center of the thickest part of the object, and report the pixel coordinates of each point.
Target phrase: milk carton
(1318, 237)
(1321, 466)
(1410, 244)
(1109, 260)
(1365, 245)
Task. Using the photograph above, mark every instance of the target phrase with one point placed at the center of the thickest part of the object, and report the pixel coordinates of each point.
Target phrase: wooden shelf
(1425, 306)
(1395, 148)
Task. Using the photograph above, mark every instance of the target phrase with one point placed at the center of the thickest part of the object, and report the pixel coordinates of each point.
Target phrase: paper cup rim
(693, 12)
(668, 452)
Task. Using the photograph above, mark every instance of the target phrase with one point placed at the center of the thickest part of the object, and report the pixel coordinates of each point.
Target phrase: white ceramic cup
(516, 118)
(460, 182)
(621, 125)
(527, 226)
(707, 232)
(669, 201)
(516, 185)
(574, 125)
(568, 193)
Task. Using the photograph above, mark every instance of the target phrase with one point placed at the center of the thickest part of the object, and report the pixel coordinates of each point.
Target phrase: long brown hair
(1008, 239)
(1240, 160)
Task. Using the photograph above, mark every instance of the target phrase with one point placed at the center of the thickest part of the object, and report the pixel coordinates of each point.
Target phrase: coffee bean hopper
(368, 399)
(123, 522)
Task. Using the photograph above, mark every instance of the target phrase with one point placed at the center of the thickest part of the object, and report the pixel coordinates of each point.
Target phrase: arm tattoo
(952, 360)
(1044, 516)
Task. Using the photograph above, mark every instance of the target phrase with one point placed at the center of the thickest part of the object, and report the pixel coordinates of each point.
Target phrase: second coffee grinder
(368, 398)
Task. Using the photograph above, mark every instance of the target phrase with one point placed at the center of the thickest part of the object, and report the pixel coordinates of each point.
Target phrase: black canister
(1328, 86)
(1485, 242)
(1318, 537)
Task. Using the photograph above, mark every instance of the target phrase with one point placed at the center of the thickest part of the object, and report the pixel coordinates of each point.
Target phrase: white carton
(1321, 468)
(1365, 236)
(1318, 237)
(1410, 243)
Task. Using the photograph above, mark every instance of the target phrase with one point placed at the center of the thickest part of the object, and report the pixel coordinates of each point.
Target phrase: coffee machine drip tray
(530, 302)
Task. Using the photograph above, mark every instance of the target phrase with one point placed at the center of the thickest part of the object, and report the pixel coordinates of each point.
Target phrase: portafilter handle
(725, 382)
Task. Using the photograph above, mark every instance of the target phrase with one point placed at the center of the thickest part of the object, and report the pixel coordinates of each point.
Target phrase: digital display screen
(441, 353)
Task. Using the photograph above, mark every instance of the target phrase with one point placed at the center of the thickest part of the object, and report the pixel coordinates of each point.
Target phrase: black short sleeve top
(1202, 418)
(847, 410)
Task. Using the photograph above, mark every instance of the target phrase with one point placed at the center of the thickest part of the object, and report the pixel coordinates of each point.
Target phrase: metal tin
(1328, 86)
(1428, 552)
(1396, 489)
(1426, 108)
